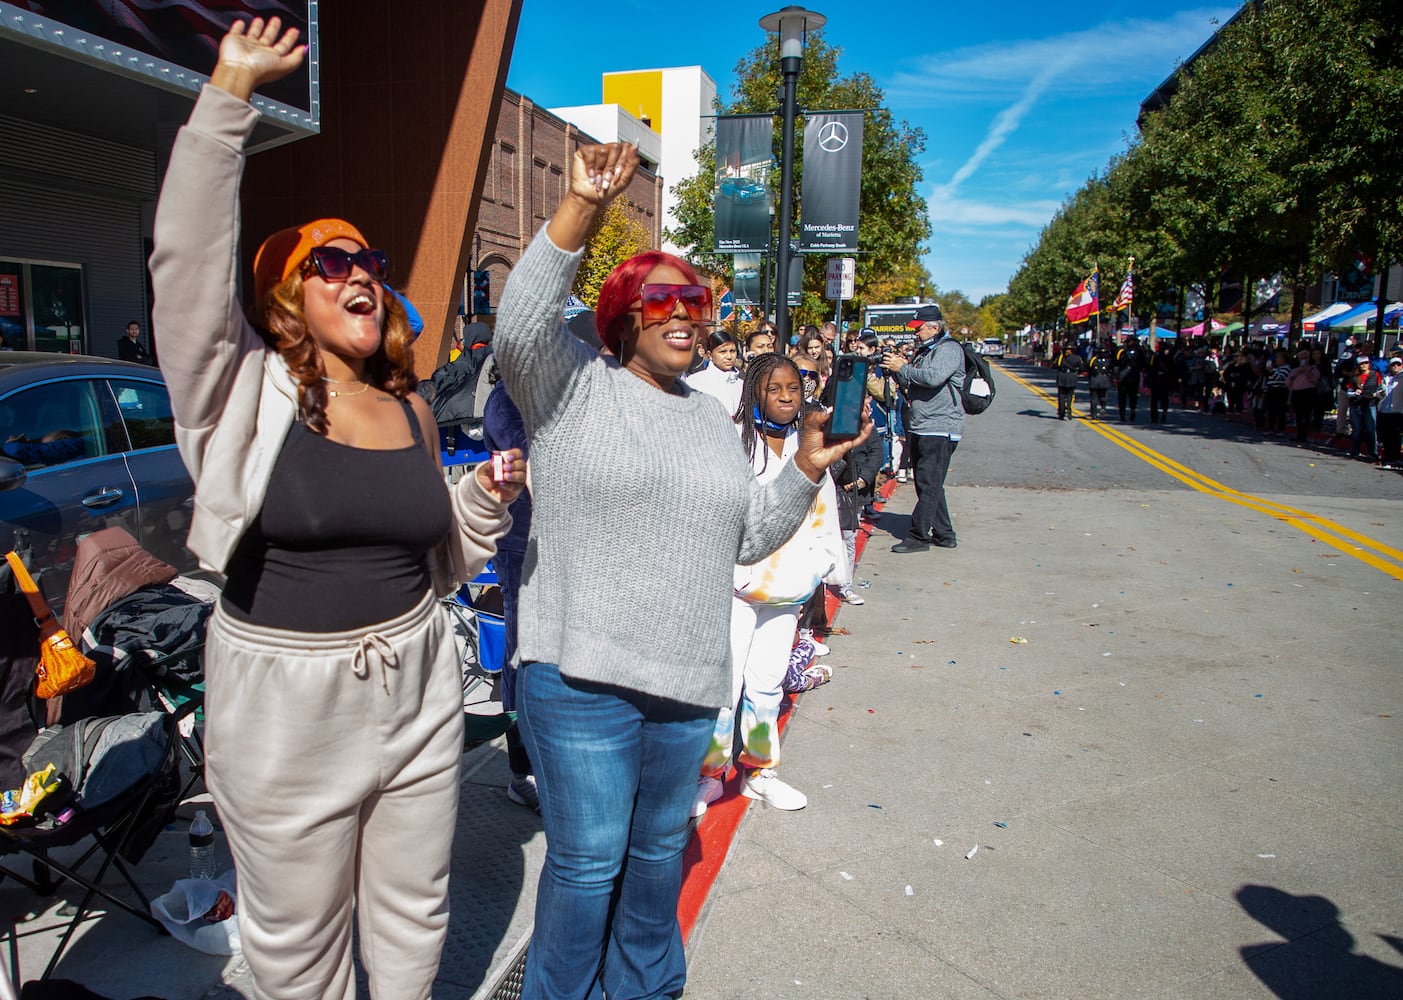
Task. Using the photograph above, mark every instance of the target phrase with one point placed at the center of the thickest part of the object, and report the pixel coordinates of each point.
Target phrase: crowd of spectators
(1285, 391)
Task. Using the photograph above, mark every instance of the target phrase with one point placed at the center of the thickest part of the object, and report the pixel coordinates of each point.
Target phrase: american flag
(1127, 289)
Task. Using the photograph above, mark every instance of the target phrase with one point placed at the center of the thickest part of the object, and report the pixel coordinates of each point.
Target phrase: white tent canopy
(1332, 310)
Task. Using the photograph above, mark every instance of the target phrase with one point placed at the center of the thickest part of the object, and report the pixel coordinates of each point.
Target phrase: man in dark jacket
(454, 385)
(130, 348)
(1128, 367)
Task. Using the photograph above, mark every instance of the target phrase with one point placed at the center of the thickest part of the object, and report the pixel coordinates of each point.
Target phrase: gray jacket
(932, 394)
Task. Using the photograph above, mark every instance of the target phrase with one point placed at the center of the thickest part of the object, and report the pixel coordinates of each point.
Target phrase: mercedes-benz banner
(748, 268)
(832, 175)
(744, 153)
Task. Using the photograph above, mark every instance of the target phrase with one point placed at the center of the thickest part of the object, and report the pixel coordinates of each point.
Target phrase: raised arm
(777, 508)
(538, 356)
(194, 266)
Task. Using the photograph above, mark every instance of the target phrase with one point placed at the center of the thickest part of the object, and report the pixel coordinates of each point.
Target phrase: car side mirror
(12, 474)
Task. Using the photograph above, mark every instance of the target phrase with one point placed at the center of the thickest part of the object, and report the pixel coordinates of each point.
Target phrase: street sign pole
(841, 275)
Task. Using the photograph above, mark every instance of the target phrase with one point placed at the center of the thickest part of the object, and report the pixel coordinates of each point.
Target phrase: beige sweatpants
(333, 760)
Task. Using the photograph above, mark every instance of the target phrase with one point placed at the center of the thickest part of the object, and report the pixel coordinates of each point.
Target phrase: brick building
(527, 175)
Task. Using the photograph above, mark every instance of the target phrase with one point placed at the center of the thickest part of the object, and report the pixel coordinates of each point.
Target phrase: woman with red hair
(334, 721)
(624, 615)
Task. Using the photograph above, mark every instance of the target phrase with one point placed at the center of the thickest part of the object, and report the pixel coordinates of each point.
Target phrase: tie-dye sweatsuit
(764, 614)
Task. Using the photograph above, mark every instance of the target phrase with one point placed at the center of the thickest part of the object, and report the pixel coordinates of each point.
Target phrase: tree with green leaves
(894, 224)
(1277, 153)
(617, 236)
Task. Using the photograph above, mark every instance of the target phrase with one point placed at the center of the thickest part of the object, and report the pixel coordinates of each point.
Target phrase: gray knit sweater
(644, 502)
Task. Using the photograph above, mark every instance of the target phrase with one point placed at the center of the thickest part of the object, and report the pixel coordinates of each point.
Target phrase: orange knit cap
(284, 251)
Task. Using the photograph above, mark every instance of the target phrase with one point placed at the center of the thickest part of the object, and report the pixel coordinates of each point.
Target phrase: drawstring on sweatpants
(384, 652)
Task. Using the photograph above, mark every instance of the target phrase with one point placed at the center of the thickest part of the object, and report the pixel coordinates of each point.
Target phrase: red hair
(625, 282)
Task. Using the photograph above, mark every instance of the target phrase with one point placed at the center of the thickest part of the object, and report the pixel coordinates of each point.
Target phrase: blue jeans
(1363, 437)
(617, 771)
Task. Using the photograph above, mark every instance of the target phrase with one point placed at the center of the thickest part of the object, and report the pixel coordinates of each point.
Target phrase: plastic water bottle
(202, 863)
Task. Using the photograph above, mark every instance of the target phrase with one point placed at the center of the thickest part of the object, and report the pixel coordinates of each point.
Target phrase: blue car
(742, 189)
(85, 444)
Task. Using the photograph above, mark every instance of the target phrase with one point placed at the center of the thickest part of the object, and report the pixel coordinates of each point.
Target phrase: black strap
(414, 427)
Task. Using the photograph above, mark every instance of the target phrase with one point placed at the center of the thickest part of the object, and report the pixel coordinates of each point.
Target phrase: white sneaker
(901, 476)
(708, 791)
(807, 634)
(522, 790)
(766, 787)
(854, 598)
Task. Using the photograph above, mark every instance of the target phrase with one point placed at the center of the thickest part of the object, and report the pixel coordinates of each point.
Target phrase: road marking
(1383, 558)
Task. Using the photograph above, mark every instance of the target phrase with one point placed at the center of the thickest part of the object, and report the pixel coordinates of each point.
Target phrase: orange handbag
(62, 666)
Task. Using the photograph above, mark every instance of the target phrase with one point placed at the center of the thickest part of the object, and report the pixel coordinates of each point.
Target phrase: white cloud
(1013, 79)
(1083, 61)
(1006, 122)
(948, 211)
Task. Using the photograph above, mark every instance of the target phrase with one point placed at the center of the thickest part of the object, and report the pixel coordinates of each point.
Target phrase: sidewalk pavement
(1172, 789)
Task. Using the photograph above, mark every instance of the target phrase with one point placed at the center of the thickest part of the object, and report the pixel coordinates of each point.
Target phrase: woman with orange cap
(333, 710)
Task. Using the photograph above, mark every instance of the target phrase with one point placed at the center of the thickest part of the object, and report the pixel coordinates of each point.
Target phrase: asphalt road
(1183, 782)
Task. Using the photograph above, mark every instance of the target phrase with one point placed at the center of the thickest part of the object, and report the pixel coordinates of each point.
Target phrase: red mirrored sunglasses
(335, 264)
(659, 302)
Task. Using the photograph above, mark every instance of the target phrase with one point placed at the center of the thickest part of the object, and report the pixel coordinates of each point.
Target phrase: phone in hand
(846, 396)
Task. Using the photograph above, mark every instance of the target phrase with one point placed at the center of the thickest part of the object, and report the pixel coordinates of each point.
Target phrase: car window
(52, 424)
(146, 410)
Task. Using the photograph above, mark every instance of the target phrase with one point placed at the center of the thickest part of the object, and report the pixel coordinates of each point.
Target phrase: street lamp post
(791, 23)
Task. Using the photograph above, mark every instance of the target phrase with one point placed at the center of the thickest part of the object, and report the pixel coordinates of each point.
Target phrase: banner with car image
(832, 174)
(747, 276)
(744, 154)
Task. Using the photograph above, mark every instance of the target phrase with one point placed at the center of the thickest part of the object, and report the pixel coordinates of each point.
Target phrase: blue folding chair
(480, 634)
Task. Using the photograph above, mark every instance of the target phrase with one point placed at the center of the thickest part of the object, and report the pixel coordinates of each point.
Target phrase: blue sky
(1021, 101)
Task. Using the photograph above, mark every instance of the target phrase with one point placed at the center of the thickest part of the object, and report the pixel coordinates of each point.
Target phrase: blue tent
(1360, 315)
(1163, 332)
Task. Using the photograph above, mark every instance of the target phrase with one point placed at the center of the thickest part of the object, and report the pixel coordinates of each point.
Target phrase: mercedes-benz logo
(833, 137)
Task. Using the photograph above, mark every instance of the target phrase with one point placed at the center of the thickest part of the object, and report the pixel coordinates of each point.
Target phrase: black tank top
(343, 538)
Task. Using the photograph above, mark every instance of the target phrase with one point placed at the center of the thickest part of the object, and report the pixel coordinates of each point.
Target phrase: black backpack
(976, 385)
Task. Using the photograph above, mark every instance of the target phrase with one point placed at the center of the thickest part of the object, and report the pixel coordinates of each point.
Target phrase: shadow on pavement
(1318, 960)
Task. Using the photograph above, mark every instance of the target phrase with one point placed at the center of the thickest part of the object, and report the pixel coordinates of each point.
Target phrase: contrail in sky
(1006, 121)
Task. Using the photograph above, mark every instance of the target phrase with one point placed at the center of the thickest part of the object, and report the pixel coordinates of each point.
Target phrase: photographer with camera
(934, 420)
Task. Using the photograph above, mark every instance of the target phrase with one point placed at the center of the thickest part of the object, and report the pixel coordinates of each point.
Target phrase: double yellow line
(1382, 557)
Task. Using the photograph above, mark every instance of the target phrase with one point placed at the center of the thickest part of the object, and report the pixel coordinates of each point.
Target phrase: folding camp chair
(480, 632)
(122, 829)
(481, 636)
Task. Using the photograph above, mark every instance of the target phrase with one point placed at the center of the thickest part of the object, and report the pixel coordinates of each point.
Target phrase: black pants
(1065, 399)
(1159, 402)
(1098, 402)
(930, 461)
(1390, 430)
(1277, 398)
(1127, 396)
(1303, 406)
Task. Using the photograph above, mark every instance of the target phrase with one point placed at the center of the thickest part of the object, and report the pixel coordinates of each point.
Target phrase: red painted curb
(716, 831)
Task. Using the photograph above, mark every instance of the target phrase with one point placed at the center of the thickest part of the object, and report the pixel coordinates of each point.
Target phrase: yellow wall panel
(640, 94)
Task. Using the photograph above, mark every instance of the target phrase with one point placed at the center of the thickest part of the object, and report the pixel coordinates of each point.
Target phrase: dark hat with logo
(924, 315)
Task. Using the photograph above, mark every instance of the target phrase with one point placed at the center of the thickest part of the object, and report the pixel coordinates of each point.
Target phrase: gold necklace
(364, 386)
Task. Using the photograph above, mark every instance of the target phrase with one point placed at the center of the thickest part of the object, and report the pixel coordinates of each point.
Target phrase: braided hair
(750, 411)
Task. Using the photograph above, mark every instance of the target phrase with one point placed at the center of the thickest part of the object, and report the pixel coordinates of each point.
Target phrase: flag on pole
(1127, 289)
(1085, 301)
(727, 306)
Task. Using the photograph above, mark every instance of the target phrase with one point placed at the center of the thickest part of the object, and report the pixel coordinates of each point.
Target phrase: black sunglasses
(335, 264)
